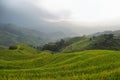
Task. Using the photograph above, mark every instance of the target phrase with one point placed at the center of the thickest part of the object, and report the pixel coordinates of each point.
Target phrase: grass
(103, 42)
(80, 45)
(87, 65)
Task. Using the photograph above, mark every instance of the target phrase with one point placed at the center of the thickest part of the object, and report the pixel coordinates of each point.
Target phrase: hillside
(22, 52)
(87, 65)
(106, 41)
(59, 40)
(101, 42)
(12, 34)
(117, 33)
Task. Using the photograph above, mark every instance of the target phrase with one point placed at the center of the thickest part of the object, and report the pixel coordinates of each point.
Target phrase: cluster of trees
(13, 47)
(60, 45)
(57, 46)
(106, 41)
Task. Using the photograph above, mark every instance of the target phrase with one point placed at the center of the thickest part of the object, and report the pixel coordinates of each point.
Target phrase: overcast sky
(82, 10)
(77, 14)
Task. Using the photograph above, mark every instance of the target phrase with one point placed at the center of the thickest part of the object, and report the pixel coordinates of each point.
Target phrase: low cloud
(26, 13)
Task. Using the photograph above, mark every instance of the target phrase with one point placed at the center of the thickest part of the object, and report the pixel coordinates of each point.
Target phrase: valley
(27, 55)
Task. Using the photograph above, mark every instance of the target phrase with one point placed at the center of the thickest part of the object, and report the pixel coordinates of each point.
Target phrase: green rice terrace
(59, 39)
(27, 63)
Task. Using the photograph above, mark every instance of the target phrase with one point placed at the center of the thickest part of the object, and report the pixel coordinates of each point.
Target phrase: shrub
(12, 47)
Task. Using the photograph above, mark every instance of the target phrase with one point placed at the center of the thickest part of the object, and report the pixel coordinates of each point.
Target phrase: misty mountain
(24, 13)
(12, 34)
(103, 42)
(30, 17)
(116, 33)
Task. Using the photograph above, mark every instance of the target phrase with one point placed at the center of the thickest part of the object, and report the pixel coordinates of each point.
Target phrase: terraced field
(86, 65)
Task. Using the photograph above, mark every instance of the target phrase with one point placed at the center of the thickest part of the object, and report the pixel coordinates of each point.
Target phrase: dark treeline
(57, 46)
(103, 42)
(106, 41)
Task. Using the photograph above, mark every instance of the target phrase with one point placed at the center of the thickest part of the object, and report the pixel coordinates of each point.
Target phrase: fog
(45, 16)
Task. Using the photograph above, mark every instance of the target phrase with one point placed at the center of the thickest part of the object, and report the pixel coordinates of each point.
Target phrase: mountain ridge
(12, 34)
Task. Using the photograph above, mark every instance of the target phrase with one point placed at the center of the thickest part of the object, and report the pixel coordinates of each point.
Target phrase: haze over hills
(116, 33)
(27, 13)
(103, 41)
(12, 34)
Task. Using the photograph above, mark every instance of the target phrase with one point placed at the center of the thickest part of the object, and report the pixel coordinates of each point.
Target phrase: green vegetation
(26, 63)
(60, 45)
(80, 45)
(12, 47)
(2, 47)
(103, 42)
(11, 34)
(77, 58)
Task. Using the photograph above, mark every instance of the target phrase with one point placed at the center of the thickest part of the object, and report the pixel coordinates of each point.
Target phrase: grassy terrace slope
(102, 42)
(86, 65)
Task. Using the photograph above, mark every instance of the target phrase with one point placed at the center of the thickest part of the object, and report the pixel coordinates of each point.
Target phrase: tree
(57, 46)
(12, 47)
